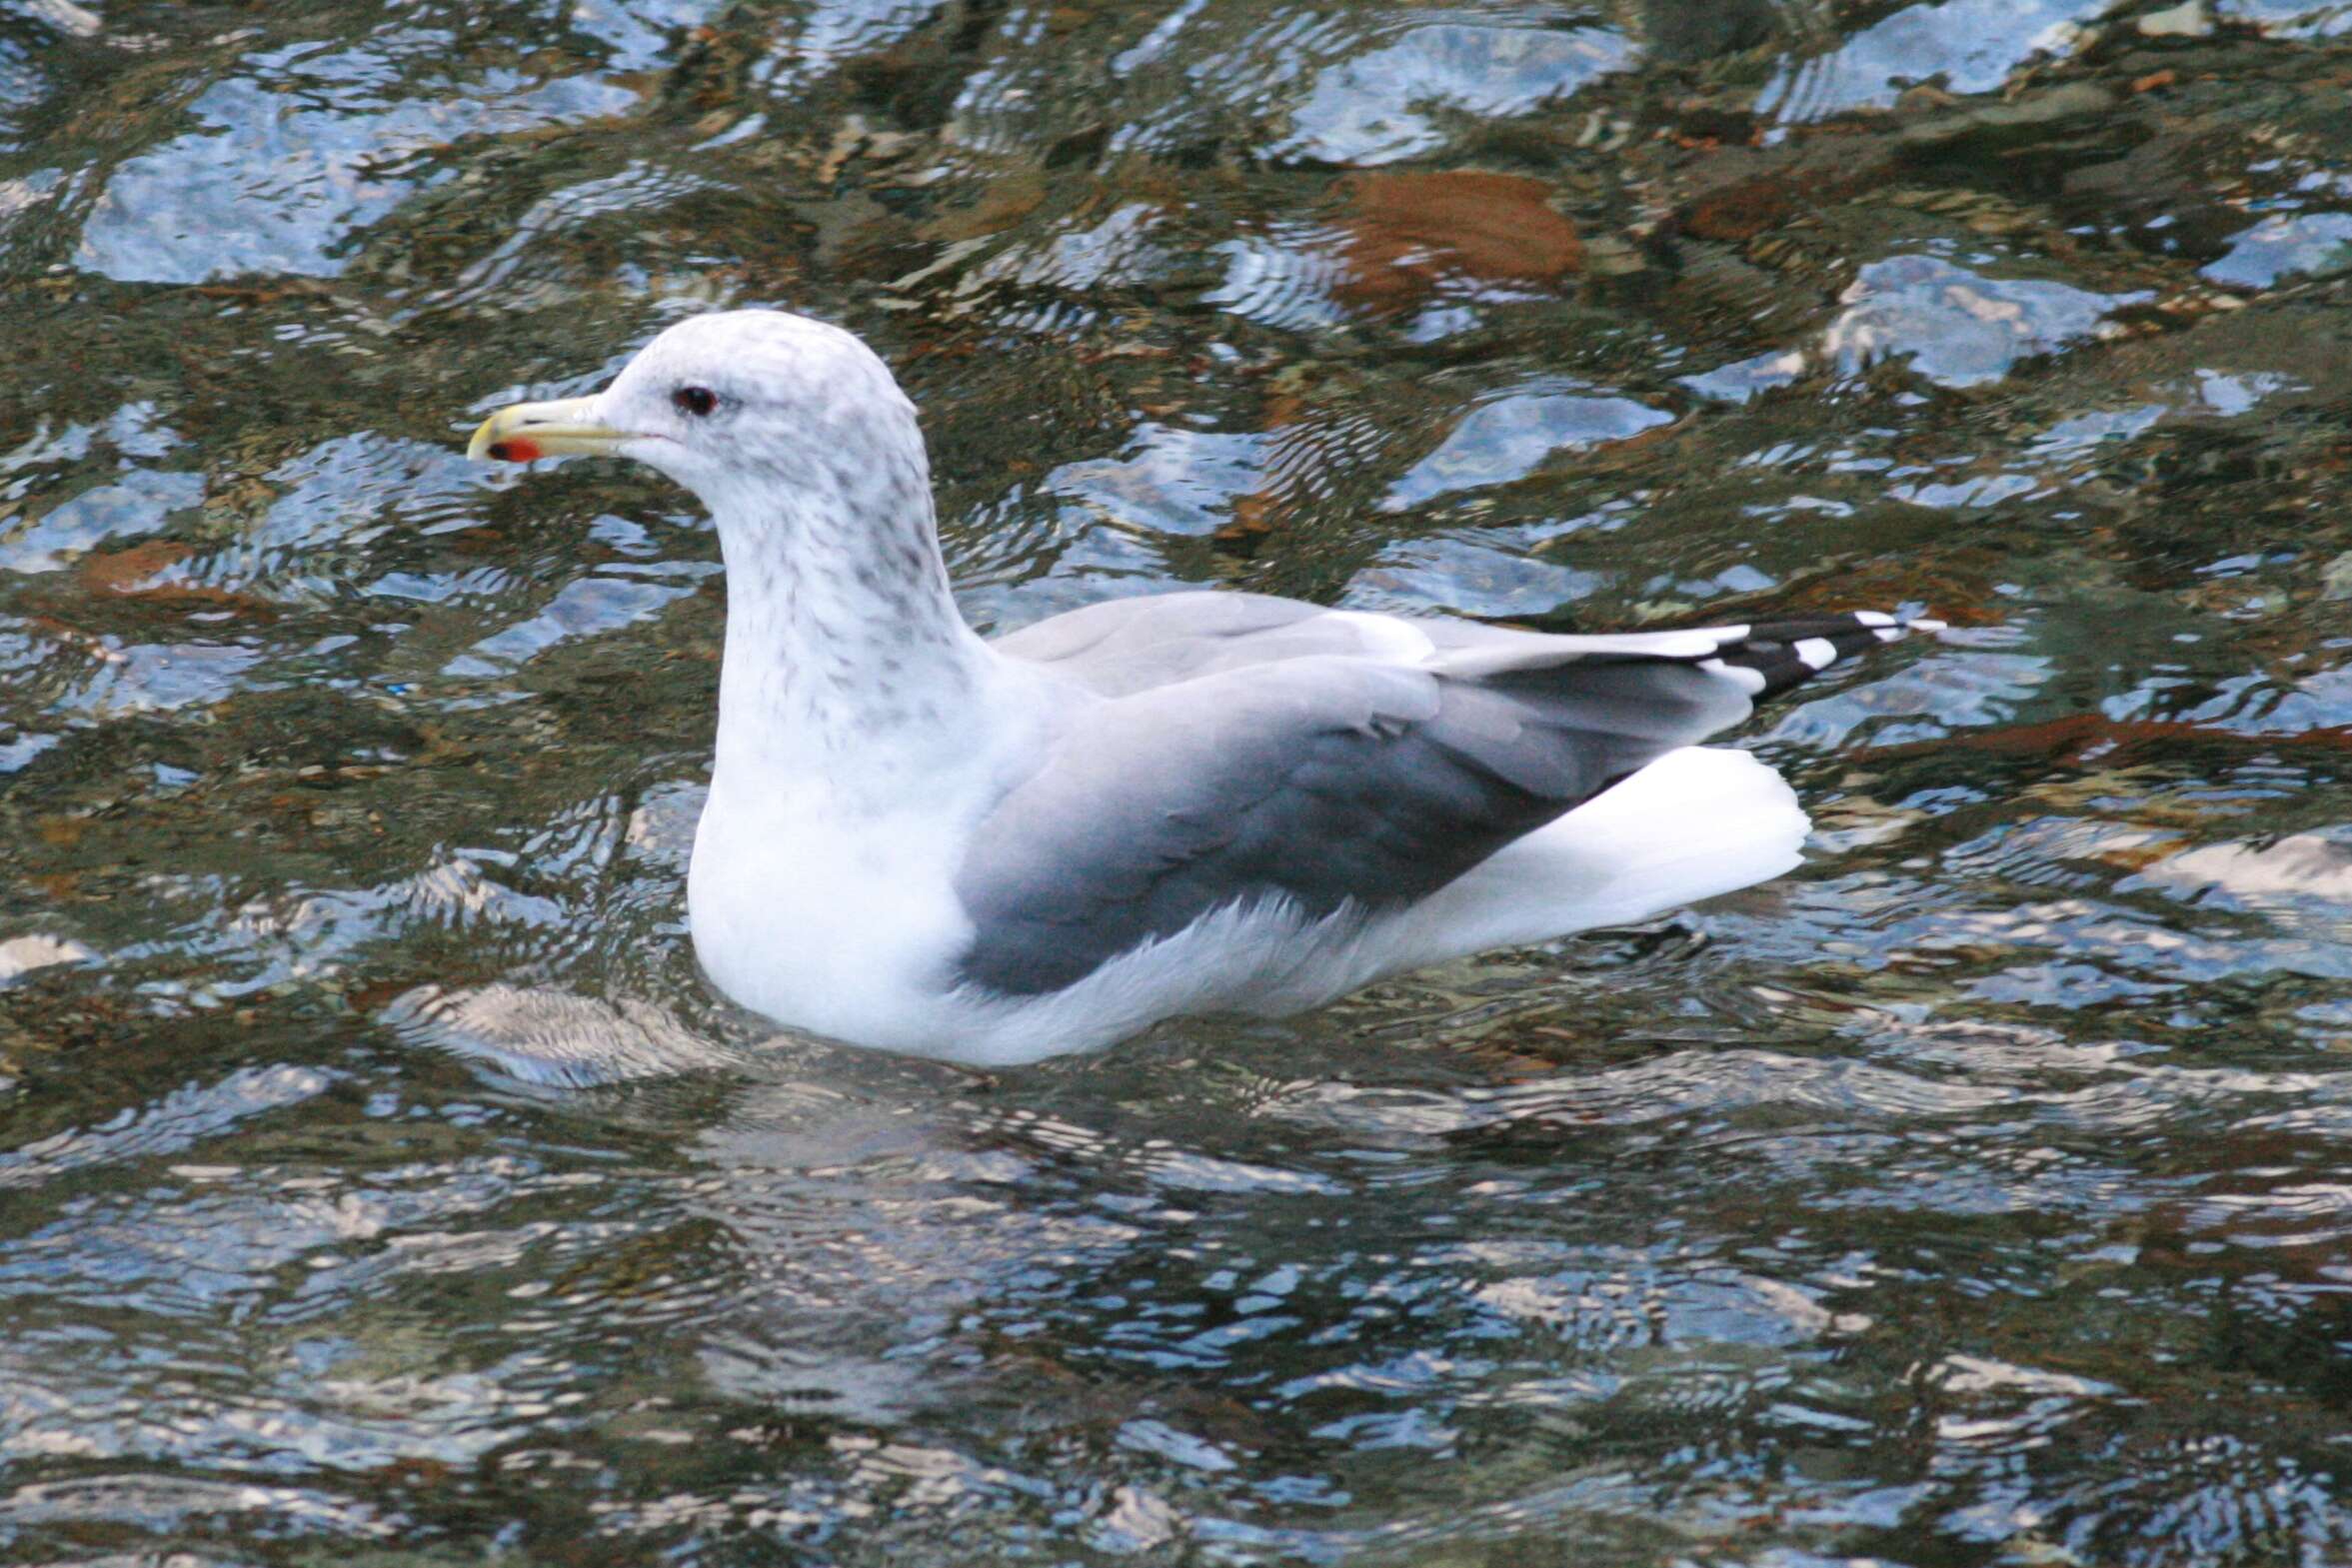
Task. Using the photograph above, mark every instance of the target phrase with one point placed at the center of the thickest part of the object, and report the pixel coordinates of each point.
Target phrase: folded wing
(1335, 781)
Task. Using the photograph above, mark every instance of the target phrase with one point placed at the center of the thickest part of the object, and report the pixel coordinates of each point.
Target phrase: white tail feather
(1697, 822)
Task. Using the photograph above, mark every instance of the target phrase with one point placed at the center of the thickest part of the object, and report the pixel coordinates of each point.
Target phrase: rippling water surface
(379, 1182)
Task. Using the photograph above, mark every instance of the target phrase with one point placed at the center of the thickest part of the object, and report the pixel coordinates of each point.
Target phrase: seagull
(995, 851)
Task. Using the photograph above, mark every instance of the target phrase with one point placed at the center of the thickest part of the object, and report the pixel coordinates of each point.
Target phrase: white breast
(848, 925)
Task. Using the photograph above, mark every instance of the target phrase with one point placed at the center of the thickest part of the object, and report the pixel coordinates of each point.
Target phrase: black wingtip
(1770, 657)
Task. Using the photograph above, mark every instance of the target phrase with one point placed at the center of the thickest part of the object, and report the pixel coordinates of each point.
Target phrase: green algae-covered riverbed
(380, 1184)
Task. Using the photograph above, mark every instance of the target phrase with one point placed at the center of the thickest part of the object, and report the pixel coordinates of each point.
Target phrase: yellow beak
(527, 432)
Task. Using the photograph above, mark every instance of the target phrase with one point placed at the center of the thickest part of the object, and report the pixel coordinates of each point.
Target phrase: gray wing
(1332, 780)
(1124, 646)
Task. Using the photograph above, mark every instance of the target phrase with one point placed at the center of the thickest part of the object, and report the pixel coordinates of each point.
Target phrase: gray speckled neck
(844, 650)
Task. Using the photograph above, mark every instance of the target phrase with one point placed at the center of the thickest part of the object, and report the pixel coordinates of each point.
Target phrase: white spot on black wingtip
(1749, 680)
(1889, 629)
(1773, 656)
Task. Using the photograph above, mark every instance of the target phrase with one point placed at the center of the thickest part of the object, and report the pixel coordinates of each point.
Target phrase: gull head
(744, 408)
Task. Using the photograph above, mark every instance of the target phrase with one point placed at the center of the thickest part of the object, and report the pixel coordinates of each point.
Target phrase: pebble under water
(380, 1182)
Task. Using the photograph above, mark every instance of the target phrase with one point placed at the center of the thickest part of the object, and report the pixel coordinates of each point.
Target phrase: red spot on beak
(518, 449)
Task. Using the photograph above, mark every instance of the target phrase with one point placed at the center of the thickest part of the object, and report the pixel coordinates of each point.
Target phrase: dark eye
(698, 401)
